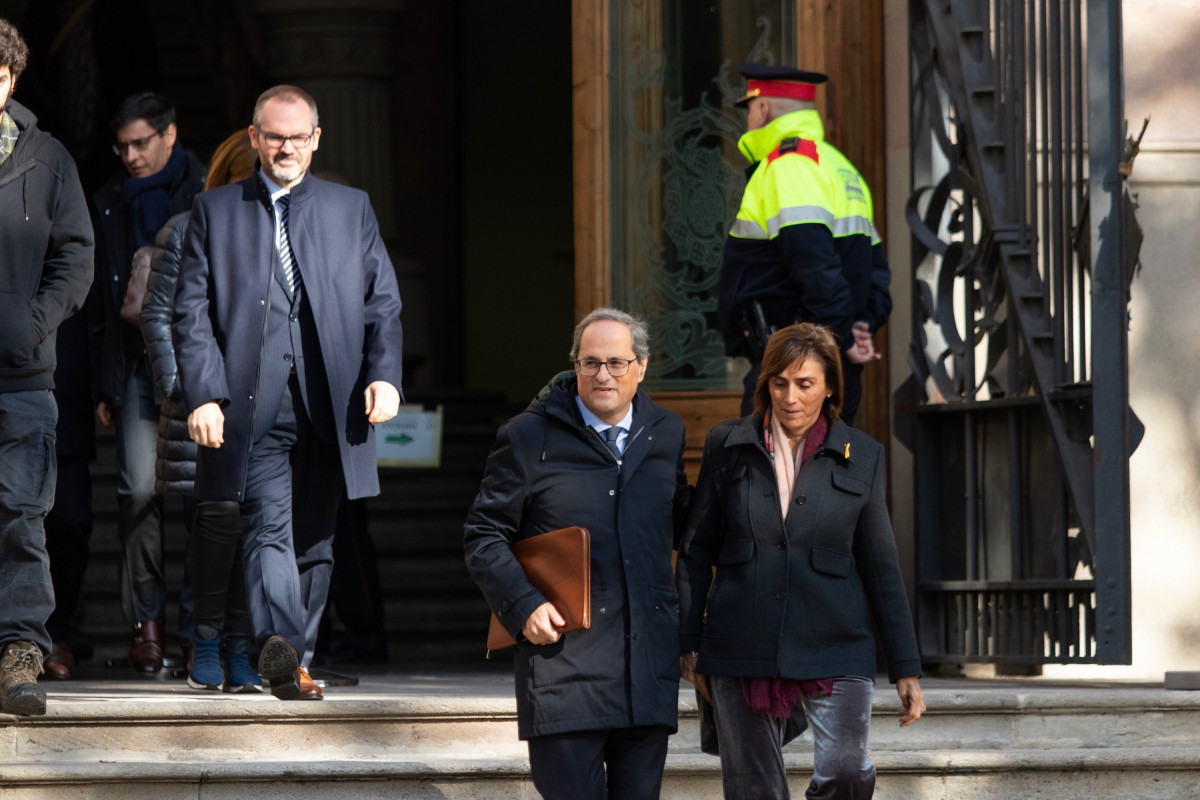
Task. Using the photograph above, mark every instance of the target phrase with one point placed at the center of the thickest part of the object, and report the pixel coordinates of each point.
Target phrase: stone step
(453, 735)
(1159, 773)
(438, 712)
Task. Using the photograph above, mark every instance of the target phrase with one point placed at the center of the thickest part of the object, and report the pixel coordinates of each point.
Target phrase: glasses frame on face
(276, 141)
(617, 367)
(138, 145)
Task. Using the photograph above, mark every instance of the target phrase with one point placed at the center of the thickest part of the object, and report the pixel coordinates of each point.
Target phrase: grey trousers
(752, 765)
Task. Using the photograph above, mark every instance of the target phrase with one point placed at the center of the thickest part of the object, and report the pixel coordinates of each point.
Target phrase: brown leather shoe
(308, 687)
(146, 653)
(60, 662)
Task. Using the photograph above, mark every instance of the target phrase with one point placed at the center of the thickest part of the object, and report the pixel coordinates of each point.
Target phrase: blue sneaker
(240, 677)
(205, 671)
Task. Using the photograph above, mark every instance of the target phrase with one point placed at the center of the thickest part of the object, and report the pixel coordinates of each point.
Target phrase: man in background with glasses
(288, 341)
(597, 705)
(158, 180)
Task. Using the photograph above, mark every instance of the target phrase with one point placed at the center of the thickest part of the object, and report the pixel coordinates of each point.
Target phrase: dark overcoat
(114, 264)
(225, 277)
(794, 599)
(548, 470)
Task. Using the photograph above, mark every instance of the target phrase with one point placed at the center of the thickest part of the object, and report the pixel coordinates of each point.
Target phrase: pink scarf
(778, 696)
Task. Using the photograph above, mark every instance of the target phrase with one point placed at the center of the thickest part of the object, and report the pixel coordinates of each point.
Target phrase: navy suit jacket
(225, 283)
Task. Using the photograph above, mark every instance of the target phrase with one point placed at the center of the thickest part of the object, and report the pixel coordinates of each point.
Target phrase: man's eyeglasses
(137, 145)
(590, 367)
(276, 140)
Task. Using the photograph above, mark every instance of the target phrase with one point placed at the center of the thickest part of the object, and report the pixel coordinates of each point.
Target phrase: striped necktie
(611, 437)
(286, 258)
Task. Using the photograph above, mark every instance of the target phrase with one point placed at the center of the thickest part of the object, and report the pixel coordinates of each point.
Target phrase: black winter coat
(175, 468)
(114, 261)
(547, 471)
(46, 247)
(792, 600)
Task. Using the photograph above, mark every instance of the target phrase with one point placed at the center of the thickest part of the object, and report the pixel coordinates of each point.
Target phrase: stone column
(342, 52)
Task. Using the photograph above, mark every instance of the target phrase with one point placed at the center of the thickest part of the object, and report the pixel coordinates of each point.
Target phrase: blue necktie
(611, 435)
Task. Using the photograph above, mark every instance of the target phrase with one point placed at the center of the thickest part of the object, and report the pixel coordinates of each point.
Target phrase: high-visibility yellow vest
(805, 181)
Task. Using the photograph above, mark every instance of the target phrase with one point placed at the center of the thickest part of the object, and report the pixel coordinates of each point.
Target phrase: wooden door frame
(843, 40)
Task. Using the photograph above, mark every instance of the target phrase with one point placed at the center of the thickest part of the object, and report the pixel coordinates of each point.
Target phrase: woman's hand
(687, 669)
(913, 700)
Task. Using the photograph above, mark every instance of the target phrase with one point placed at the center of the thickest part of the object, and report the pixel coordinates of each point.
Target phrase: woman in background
(220, 647)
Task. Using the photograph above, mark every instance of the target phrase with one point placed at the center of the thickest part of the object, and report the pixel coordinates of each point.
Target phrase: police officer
(804, 246)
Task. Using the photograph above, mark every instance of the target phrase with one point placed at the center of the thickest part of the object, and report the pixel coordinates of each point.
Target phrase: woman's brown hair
(233, 160)
(795, 344)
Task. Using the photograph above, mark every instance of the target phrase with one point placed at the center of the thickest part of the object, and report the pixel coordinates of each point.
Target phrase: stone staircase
(433, 613)
(453, 735)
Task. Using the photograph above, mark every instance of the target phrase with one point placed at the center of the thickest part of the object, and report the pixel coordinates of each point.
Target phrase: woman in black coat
(214, 547)
(790, 511)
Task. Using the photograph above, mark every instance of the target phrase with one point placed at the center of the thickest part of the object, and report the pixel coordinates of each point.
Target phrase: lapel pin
(847, 456)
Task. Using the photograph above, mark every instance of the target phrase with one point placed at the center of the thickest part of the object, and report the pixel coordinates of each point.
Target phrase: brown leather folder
(559, 564)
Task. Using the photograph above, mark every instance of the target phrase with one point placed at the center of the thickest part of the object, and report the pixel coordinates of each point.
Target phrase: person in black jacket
(790, 511)
(595, 705)
(159, 180)
(222, 621)
(47, 268)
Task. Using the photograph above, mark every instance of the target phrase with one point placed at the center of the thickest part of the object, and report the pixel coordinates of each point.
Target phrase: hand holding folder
(559, 565)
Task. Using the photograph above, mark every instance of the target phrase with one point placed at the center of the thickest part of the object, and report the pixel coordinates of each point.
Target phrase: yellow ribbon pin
(847, 451)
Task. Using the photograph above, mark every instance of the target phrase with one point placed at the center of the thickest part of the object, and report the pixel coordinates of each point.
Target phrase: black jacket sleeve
(700, 544)
(879, 301)
(816, 273)
(158, 306)
(491, 526)
(879, 568)
(70, 251)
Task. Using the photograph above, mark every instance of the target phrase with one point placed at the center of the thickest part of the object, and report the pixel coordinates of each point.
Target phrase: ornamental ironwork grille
(1024, 248)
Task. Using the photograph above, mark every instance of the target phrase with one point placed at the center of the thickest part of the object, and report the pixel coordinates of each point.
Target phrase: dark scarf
(149, 200)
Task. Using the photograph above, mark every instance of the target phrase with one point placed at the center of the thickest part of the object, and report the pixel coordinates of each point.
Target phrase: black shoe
(278, 663)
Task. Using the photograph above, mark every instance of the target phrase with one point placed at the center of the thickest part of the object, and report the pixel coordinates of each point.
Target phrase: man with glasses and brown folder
(288, 341)
(596, 705)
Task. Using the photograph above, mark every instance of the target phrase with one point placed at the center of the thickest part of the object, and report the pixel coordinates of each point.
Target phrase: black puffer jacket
(549, 470)
(175, 469)
(45, 253)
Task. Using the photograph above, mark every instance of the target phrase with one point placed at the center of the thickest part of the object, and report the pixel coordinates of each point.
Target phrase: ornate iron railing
(1017, 410)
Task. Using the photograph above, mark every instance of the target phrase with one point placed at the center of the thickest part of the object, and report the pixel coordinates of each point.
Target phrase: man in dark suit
(595, 705)
(287, 333)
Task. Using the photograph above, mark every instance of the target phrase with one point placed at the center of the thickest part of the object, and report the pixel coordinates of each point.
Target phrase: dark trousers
(752, 766)
(139, 506)
(612, 764)
(294, 484)
(68, 534)
(27, 475)
(851, 390)
(217, 577)
(354, 591)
